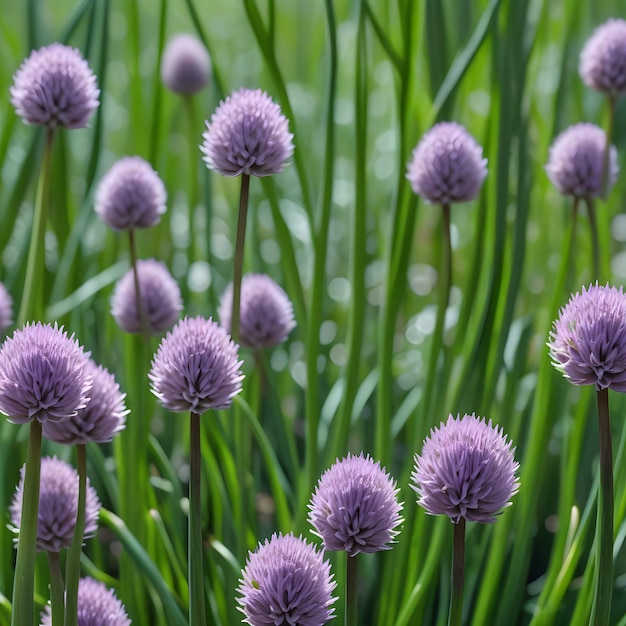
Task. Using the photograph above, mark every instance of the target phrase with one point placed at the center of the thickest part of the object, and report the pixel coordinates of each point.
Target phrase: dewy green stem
(57, 589)
(458, 575)
(351, 591)
(238, 260)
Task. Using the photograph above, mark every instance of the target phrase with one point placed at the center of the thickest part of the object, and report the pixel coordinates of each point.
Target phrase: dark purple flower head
(43, 375)
(266, 316)
(185, 66)
(588, 341)
(286, 582)
(576, 160)
(97, 606)
(603, 59)
(58, 505)
(466, 470)
(196, 367)
(447, 165)
(160, 297)
(6, 308)
(130, 195)
(55, 87)
(247, 134)
(355, 506)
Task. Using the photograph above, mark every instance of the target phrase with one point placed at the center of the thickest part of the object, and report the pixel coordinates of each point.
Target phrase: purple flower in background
(6, 308)
(286, 581)
(266, 316)
(58, 505)
(247, 134)
(130, 195)
(588, 341)
(355, 506)
(160, 296)
(466, 470)
(603, 59)
(447, 165)
(196, 367)
(55, 87)
(185, 65)
(43, 375)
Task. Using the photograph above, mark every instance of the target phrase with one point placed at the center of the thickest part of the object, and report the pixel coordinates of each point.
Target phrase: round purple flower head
(160, 297)
(576, 160)
(588, 341)
(266, 316)
(286, 581)
(196, 367)
(43, 375)
(6, 308)
(247, 134)
(130, 195)
(447, 165)
(97, 606)
(185, 66)
(355, 506)
(603, 59)
(58, 505)
(466, 470)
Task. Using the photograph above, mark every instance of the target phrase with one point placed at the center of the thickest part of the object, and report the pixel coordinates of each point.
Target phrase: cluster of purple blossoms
(603, 59)
(185, 65)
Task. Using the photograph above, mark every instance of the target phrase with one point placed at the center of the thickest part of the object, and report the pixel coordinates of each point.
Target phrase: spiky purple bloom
(130, 195)
(58, 505)
(97, 606)
(266, 316)
(355, 506)
(447, 165)
(603, 59)
(54, 87)
(43, 375)
(466, 470)
(6, 308)
(247, 134)
(286, 582)
(185, 65)
(160, 296)
(196, 367)
(576, 160)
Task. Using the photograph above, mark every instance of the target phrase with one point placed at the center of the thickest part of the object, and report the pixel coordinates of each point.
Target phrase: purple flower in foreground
(130, 195)
(355, 506)
(55, 87)
(6, 308)
(447, 165)
(185, 66)
(286, 581)
(58, 505)
(43, 375)
(196, 367)
(247, 134)
(588, 341)
(466, 470)
(603, 59)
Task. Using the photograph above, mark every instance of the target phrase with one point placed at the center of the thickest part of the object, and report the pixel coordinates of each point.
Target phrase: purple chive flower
(58, 505)
(266, 316)
(447, 165)
(603, 59)
(466, 470)
(55, 87)
(588, 341)
(130, 195)
(247, 134)
(196, 367)
(97, 606)
(576, 160)
(286, 581)
(6, 308)
(185, 65)
(43, 375)
(355, 506)
(160, 297)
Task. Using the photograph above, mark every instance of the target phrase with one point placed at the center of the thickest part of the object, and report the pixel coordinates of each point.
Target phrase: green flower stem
(57, 589)
(238, 260)
(595, 243)
(458, 575)
(141, 309)
(351, 591)
(604, 187)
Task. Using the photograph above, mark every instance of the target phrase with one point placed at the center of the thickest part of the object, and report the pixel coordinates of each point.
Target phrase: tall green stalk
(607, 148)
(238, 259)
(351, 591)
(458, 575)
(595, 243)
(57, 589)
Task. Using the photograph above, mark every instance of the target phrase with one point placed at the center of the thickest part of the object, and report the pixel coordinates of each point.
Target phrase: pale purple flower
(58, 505)
(185, 65)
(160, 297)
(286, 582)
(130, 195)
(6, 308)
(247, 134)
(466, 470)
(43, 375)
(588, 340)
(603, 59)
(355, 506)
(196, 367)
